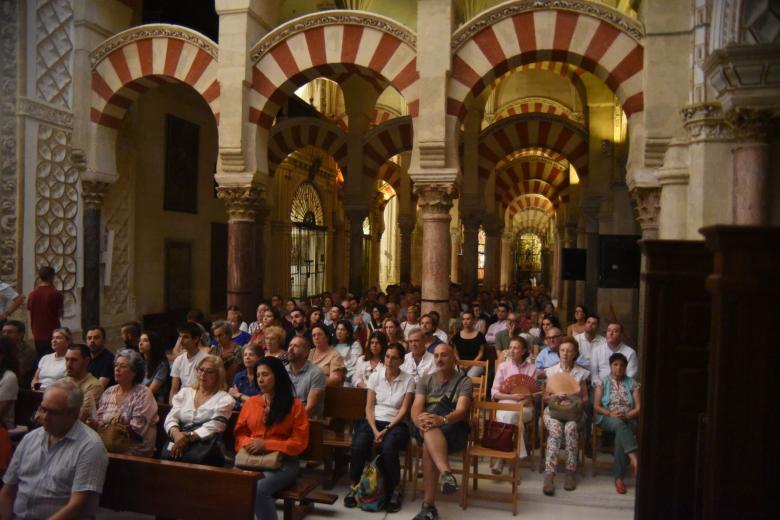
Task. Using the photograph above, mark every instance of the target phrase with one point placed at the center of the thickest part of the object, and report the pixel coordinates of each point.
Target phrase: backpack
(370, 489)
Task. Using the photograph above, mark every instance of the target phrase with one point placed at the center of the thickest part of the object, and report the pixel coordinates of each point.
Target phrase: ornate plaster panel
(56, 210)
(45, 112)
(8, 145)
(116, 301)
(53, 51)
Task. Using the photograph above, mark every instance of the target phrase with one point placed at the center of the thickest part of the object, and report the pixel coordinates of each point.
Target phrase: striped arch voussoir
(328, 44)
(385, 141)
(390, 172)
(507, 137)
(296, 133)
(530, 202)
(129, 63)
(598, 40)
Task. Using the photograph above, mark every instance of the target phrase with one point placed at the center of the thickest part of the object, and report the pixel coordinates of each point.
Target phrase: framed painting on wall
(181, 165)
(178, 275)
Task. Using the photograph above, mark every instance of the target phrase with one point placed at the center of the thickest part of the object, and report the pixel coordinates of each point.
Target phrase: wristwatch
(445, 419)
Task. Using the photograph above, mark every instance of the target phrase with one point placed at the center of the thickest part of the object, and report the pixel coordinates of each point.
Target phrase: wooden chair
(543, 441)
(476, 450)
(343, 407)
(479, 383)
(417, 466)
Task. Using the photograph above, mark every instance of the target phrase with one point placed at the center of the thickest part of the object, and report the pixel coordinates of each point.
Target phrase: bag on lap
(270, 460)
(568, 408)
(115, 437)
(370, 489)
(206, 451)
(447, 403)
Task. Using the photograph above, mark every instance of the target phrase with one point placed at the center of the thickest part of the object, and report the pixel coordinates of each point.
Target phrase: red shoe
(620, 487)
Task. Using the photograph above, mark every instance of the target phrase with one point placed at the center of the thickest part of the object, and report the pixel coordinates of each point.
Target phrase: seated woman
(9, 384)
(240, 330)
(273, 421)
(616, 404)
(578, 327)
(200, 412)
(377, 312)
(390, 394)
(225, 347)
(518, 362)
(326, 357)
(130, 403)
(157, 375)
(568, 351)
(348, 348)
(51, 367)
(274, 343)
(470, 343)
(245, 381)
(371, 361)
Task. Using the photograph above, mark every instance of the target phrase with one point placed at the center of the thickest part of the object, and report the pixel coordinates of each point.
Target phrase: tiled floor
(594, 498)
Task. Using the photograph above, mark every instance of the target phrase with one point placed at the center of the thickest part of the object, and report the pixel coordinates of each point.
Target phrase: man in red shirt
(45, 308)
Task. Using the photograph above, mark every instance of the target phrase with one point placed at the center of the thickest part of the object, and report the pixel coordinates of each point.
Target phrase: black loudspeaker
(574, 262)
(619, 261)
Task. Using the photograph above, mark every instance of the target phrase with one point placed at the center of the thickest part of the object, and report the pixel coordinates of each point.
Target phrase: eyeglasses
(54, 413)
(556, 336)
(202, 370)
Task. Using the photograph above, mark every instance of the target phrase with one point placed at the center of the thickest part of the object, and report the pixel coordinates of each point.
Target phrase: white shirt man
(600, 368)
(590, 339)
(501, 313)
(418, 361)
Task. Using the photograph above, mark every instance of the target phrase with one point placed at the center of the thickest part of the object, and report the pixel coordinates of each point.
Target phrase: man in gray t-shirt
(308, 379)
(440, 429)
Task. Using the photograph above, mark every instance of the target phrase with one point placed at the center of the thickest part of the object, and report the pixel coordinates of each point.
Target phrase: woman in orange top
(275, 420)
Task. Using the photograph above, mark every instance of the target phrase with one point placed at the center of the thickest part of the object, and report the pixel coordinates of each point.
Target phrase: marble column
(406, 225)
(507, 265)
(492, 256)
(435, 201)
(647, 201)
(751, 167)
(454, 255)
(559, 241)
(241, 203)
(261, 219)
(590, 210)
(356, 217)
(377, 230)
(92, 194)
(471, 221)
(566, 314)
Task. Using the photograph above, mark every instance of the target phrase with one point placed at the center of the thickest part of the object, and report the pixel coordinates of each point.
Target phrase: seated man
(307, 378)
(441, 429)
(58, 470)
(77, 360)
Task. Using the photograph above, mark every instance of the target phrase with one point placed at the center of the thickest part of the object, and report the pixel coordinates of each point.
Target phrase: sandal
(620, 487)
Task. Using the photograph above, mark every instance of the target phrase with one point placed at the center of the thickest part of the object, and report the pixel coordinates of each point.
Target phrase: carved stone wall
(53, 51)
(116, 304)
(56, 210)
(8, 175)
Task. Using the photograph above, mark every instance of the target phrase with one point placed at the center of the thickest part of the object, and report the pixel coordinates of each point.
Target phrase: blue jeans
(272, 482)
(394, 441)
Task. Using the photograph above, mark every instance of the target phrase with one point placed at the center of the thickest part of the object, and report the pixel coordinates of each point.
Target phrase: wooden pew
(178, 490)
(27, 403)
(343, 406)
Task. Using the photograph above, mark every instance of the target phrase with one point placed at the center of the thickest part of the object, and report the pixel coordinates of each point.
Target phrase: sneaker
(349, 499)
(427, 512)
(570, 482)
(448, 483)
(548, 488)
(393, 504)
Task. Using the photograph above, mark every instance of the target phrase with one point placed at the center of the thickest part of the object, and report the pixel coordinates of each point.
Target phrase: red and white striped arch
(133, 61)
(515, 133)
(385, 141)
(390, 172)
(535, 105)
(296, 133)
(534, 220)
(534, 186)
(533, 167)
(326, 44)
(532, 152)
(529, 201)
(511, 35)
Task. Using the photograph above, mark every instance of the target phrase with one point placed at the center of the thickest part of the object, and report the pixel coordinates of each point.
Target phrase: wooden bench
(343, 407)
(178, 490)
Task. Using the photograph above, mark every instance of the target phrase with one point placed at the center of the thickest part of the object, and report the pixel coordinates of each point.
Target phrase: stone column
(590, 210)
(751, 167)
(261, 220)
(454, 255)
(673, 178)
(435, 201)
(279, 280)
(566, 314)
(406, 225)
(492, 255)
(559, 245)
(92, 194)
(377, 229)
(507, 265)
(356, 217)
(241, 203)
(647, 201)
(471, 221)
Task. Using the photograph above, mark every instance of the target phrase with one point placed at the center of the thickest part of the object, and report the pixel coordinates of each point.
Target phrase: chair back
(348, 404)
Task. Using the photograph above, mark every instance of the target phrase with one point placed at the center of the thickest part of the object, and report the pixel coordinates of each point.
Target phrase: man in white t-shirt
(600, 367)
(418, 361)
(590, 340)
(183, 373)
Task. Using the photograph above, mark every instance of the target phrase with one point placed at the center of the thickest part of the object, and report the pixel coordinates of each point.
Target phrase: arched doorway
(308, 244)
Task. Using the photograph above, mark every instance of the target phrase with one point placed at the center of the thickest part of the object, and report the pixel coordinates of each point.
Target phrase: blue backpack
(370, 489)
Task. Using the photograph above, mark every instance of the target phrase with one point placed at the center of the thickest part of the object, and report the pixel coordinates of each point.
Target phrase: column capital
(750, 124)
(93, 193)
(406, 223)
(706, 122)
(241, 202)
(647, 202)
(435, 198)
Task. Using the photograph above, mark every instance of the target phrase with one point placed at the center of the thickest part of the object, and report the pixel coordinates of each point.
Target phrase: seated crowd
(273, 373)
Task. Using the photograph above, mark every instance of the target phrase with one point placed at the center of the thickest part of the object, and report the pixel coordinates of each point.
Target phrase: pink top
(138, 412)
(508, 369)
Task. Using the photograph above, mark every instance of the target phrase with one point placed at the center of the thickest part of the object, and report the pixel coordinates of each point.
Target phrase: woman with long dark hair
(348, 348)
(371, 361)
(274, 421)
(158, 370)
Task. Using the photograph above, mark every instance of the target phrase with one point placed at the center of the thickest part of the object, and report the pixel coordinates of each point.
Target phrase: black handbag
(447, 403)
(206, 451)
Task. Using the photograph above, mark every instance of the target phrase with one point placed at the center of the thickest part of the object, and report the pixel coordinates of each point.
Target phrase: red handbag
(499, 436)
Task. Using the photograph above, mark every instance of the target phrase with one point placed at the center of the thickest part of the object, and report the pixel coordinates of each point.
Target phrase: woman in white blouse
(51, 367)
(371, 361)
(390, 394)
(200, 412)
